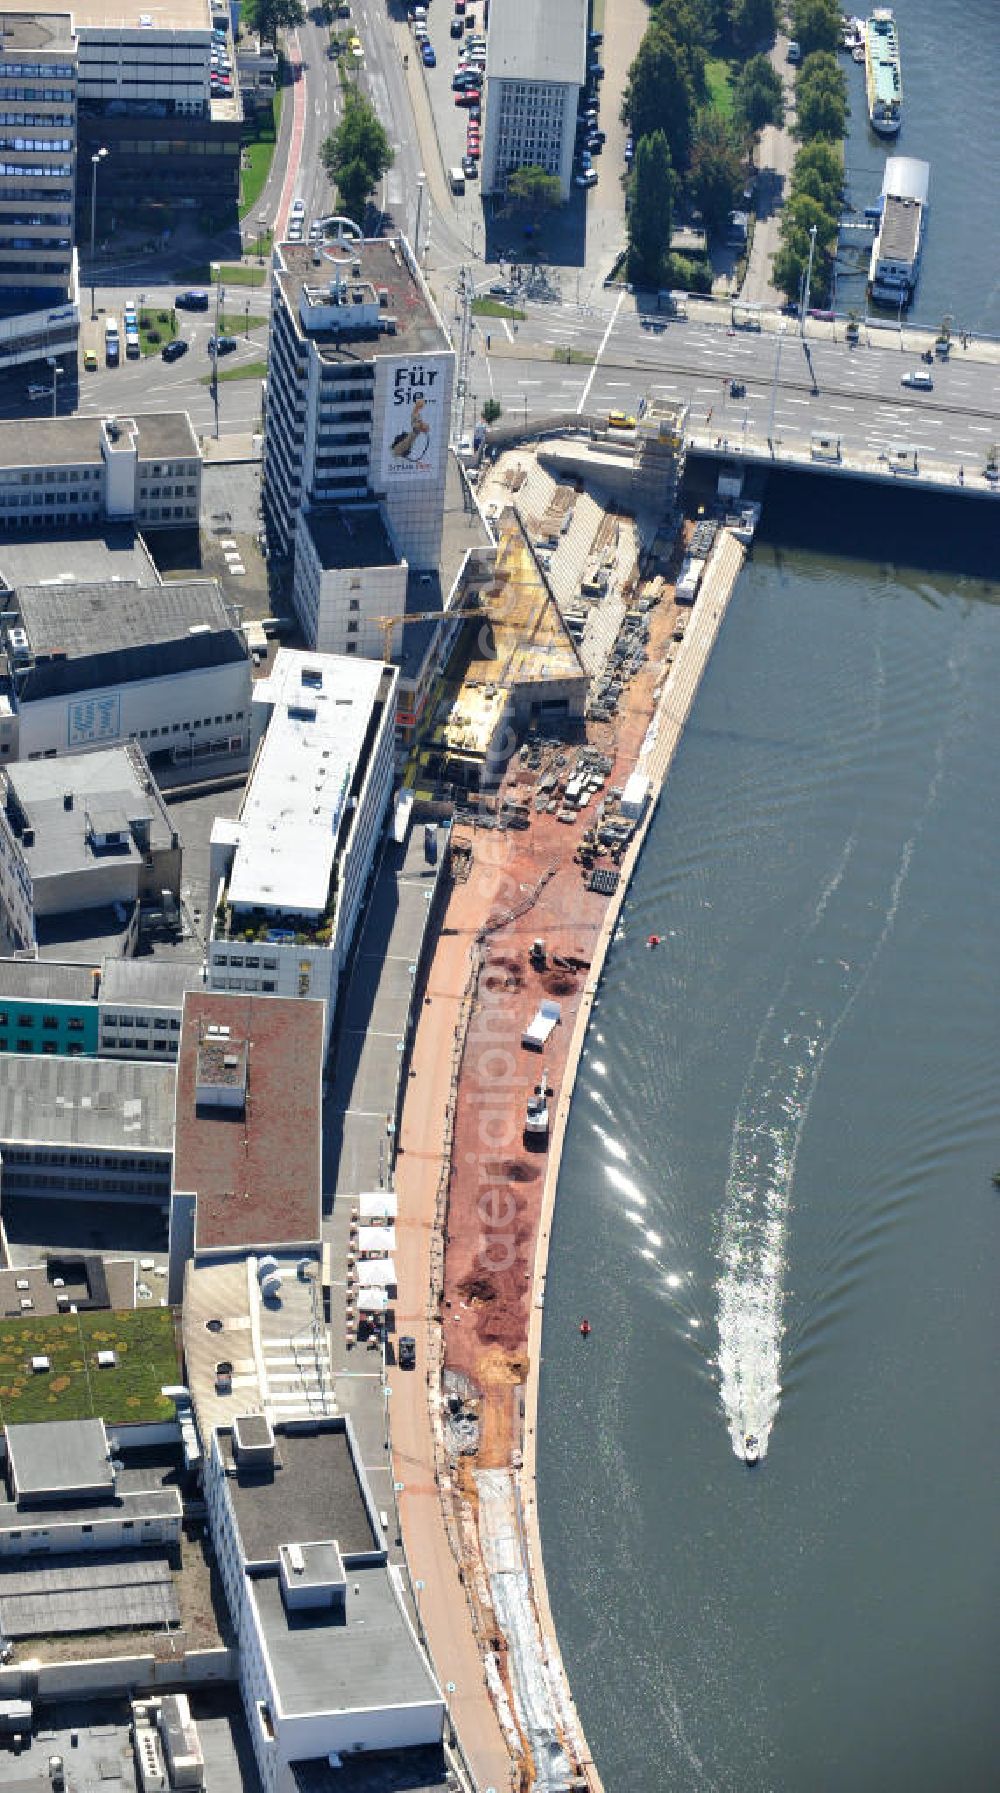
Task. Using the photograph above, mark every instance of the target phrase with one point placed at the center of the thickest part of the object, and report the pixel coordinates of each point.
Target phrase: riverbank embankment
(661, 744)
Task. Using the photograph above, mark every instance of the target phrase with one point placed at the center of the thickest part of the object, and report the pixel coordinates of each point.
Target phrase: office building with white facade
(288, 876)
(536, 61)
(71, 472)
(359, 393)
(39, 294)
(329, 1663)
(94, 665)
(146, 96)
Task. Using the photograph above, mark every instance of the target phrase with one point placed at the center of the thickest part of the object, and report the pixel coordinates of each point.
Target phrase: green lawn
(258, 154)
(248, 370)
(719, 76)
(231, 273)
(575, 357)
(74, 1387)
(495, 308)
(237, 323)
(158, 325)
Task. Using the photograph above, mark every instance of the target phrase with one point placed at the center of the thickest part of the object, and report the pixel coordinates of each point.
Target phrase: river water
(776, 1207)
(950, 57)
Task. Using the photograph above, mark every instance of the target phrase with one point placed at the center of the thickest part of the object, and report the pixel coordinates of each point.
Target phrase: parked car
(222, 345)
(469, 96)
(407, 1352)
(172, 351)
(455, 28)
(470, 167)
(90, 360)
(587, 179)
(193, 300)
(428, 53)
(354, 45)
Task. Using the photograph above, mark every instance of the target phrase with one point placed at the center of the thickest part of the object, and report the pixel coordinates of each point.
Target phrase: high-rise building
(360, 377)
(39, 301)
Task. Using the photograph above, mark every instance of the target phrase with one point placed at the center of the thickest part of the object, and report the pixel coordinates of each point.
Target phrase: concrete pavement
(774, 160)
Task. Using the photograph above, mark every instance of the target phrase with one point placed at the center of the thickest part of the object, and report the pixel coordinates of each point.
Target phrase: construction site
(552, 731)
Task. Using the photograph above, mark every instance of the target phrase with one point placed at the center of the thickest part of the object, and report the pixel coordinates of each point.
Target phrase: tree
(652, 192)
(816, 24)
(268, 17)
(357, 154)
(715, 178)
(661, 92)
(492, 410)
(758, 98)
(789, 263)
(533, 188)
(819, 171)
(821, 98)
(753, 22)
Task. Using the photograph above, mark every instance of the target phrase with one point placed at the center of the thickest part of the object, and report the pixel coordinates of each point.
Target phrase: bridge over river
(760, 386)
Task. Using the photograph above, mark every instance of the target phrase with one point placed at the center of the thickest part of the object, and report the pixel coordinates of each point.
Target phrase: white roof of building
(532, 42)
(906, 178)
(295, 802)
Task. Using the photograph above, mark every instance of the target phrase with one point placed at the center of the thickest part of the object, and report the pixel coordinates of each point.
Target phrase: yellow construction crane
(388, 623)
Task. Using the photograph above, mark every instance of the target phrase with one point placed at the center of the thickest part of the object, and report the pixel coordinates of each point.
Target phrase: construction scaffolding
(659, 457)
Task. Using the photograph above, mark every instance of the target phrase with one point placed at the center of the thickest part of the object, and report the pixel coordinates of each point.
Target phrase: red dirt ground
(496, 1183)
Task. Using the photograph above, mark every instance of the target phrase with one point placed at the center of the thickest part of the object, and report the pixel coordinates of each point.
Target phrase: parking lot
(451, 121)
(591, 226)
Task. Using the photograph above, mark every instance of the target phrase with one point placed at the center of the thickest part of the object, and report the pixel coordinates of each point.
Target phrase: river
(776, 1206)
(950, 58)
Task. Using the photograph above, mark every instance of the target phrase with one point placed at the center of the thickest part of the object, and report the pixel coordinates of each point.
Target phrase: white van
(112, 344)
(457, 179)
(919, 378)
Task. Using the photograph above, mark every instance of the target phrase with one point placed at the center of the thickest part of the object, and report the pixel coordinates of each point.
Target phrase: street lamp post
(56, 376)
(418, 1588)
(220, 295)
(774, 386)
(805, 289)
(422, 178)
(96, 159)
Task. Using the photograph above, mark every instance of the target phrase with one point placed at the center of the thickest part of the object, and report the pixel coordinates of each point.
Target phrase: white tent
(378, 1204)
(379, 1273)
(372, 1301)
(376, 1241)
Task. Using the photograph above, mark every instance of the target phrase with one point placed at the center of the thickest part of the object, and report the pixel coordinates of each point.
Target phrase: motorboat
(751, 1448)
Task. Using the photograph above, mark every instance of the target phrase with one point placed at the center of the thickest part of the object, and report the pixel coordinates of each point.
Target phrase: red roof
(255, 1168)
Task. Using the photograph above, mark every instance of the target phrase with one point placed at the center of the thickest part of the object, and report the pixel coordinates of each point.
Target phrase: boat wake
(823, 982)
